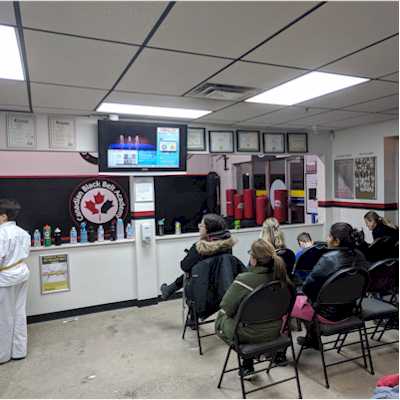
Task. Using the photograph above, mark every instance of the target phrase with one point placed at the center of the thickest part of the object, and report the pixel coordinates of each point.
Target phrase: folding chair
(345, 287)
(381, 249)
(268, 302)
(289, 258)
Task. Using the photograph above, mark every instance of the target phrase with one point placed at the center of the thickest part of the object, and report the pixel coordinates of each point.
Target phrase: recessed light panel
(10, 65)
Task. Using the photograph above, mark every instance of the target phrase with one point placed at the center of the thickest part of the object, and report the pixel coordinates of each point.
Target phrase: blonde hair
(373, 216)
(271, 232)
(264, 252)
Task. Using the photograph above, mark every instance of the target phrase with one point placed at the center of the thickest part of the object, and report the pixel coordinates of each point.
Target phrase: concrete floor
(138, 353)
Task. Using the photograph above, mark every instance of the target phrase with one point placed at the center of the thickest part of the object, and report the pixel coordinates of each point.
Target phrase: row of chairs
(346, 286)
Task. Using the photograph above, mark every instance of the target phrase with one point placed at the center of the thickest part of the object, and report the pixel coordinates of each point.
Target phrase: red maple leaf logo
(91, 207)
(98, 198)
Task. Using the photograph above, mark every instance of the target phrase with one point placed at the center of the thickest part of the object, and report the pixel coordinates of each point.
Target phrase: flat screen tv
(127, 147)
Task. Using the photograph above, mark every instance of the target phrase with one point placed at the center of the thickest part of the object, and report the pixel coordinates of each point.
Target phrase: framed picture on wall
(62, 133)
(196, 139)
(221, 141)
(21, 131)
(365, 177)
(344, 178)
(248, 141)
(297, 142)
(273, 142)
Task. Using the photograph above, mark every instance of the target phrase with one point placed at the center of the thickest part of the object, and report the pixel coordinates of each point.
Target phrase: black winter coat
(330, 263)
(382, 230)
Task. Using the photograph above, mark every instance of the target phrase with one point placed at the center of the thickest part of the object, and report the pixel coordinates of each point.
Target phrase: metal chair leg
(337, 340)
(321, 350)
(372, 372)
(383, 330)
(241, 375)
(376, 328)
(363, 349)
(196, 323)
(341, 344)
(269, 367)
(295, 368)
(225, 364)
(186, 324)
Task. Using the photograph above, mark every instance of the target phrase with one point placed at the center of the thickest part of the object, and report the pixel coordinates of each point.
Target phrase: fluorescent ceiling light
(10, 65)
(306, 87)
(117, 108)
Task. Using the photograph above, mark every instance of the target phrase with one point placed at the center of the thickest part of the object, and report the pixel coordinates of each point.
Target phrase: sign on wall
(21, 131)
(54, 273)
(344, 178)
(62, 134)
(365, 177)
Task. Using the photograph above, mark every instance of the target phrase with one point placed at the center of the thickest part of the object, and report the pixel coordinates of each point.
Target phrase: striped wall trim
(244, 285)
(142, 214)
(359, 205)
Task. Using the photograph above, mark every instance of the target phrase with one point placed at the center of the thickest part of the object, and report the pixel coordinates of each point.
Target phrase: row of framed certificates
(222, 141)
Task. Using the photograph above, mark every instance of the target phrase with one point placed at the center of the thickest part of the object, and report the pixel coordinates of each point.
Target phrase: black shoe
(280, 359)
(167, 290)
(307, 343)
(247, 372)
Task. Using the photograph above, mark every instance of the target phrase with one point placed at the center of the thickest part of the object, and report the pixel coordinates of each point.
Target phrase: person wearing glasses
(215, 239)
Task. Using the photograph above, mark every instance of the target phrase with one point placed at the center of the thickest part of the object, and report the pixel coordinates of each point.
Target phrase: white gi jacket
(15, 244)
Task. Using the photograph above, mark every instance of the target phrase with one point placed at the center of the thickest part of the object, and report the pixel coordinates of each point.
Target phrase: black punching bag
(213, 193)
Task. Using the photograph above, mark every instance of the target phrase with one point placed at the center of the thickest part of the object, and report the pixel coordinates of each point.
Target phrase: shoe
(18, 358)
(307, 343)
(167, 290)
(280, 359)
(247, 372)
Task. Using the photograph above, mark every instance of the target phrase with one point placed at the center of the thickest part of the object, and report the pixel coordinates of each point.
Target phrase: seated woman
(380, 226)
(265, 266)
(215, 239)
(343, 254)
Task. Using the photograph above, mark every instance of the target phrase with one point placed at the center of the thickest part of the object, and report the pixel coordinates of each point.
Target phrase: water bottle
(37, 238)
(84, 237)
(178, 228)
(73, 235)
(129, 231)
(57, 236)
(91, 234)
(120, 229)
(161, 226)
(100, 233)
(47, 236)
(113, 231)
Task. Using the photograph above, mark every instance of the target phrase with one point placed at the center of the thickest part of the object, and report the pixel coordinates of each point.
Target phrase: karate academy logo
(98, 201)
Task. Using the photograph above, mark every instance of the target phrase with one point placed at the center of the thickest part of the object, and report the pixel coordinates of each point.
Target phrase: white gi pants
(13, 329)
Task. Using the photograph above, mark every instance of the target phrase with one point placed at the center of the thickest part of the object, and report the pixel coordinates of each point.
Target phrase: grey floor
(138, 353)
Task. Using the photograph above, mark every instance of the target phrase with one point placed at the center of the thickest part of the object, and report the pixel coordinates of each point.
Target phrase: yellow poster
(54, 273)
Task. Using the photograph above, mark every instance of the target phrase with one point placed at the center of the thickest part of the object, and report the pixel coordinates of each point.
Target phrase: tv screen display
(126, 146)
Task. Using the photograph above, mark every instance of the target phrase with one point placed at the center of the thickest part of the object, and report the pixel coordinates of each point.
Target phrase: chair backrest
(383, 276)
(381, 249)
(309, 258)
(268, 302)
(344, 287)
(288, 257)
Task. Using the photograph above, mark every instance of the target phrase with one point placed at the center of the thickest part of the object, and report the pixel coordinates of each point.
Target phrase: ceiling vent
(221, 92)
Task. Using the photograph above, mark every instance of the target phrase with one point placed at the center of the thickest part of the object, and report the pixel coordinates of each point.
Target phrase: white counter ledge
(81, 245)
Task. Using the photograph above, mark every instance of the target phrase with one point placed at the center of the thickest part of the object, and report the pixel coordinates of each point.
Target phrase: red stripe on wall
(141, 214)
(353, 204)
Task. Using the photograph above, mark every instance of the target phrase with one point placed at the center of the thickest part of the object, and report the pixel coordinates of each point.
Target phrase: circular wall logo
(98, 201)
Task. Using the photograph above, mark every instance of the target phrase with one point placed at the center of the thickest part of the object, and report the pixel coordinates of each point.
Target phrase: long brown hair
(264, 253)
(271, 232)
(373, 216)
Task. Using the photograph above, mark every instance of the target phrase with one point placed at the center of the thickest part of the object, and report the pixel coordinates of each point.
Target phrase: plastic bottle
(84, 237)
(161, 226)
(73, 235)
(129, 231)
(120, 229)
(37, 238)
(91, 234)
(178, 230)
(47, 235)
(100, 233)
(57, 236)
(113, 231)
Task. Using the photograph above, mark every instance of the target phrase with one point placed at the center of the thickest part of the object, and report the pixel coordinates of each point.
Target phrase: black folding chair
(381, 249)
(346, 287)
(288, 257)
(269, 302)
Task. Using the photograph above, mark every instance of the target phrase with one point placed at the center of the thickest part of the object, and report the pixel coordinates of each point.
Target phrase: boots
(168, 290)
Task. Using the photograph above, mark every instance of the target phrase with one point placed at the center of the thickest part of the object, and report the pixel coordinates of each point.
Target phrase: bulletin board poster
(54, 273)
(365, 177)
(344, 178)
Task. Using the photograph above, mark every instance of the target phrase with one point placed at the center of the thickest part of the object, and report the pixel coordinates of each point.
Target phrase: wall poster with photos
(365, 177)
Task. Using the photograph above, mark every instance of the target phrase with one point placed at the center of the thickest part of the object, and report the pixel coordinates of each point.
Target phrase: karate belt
(3, 268)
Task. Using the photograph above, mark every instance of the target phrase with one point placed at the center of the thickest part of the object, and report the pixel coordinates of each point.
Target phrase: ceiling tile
(373, 62)
(353, 95)
(53, 96)
(7, 15)
(359, 120)
(255, 75)
(165, 101)
(75, 61)
(13, 93)
(283, 115)
(392, 111)
(391, 77)
(224, 28)
(330, 32)
(326, 117)
(165, 72)
(242, 111)
(60, 111)
(378, 105)
(121, 21)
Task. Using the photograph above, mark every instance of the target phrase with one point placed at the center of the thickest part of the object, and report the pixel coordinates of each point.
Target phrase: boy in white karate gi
(15, 244)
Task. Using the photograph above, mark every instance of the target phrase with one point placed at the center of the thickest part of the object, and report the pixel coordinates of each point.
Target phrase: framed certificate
(297, 142)
(54, 273)
(21, 131)
(196, 139)
(248, 141)
(62, 133)
(221, 141)
(274, 142)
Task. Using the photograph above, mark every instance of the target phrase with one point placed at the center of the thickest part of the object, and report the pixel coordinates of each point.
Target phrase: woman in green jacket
(265, 266)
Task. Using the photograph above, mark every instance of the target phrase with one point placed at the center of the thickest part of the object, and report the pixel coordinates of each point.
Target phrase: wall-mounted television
(128, 147)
